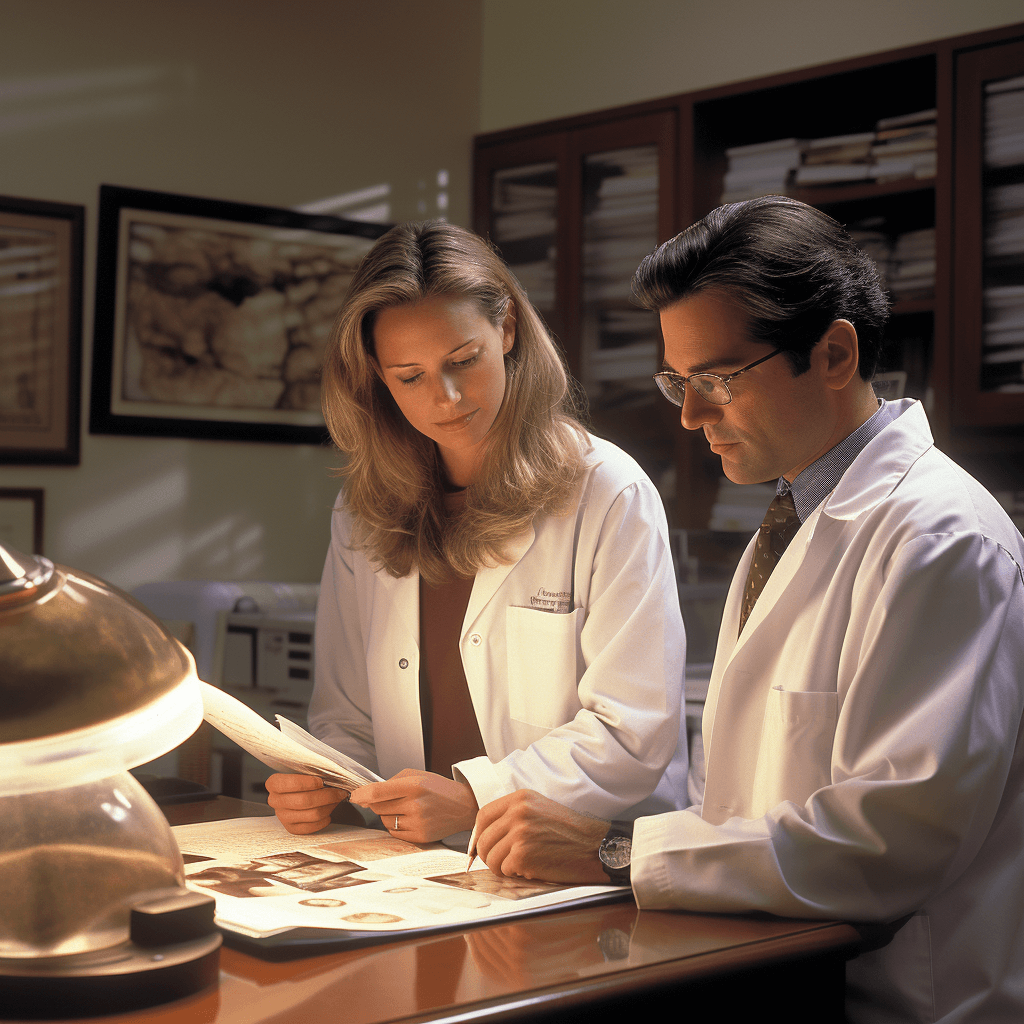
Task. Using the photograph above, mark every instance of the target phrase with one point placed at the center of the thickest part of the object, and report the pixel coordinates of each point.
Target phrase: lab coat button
(404, 663)
(476, 639)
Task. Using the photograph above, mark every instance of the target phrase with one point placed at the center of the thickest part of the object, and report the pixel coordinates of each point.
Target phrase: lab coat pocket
(542, 681)
(795, 756)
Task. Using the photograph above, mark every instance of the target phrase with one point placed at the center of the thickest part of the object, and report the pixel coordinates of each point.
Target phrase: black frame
(65, 437)
(103, 418)
(35, 495)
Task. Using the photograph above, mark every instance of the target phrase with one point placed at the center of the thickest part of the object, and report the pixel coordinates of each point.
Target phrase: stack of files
(837, 158)
(1003, 339)
(912, 269)
(740, 507)
(621, 225)
(1004, 227)
(905, 146)
(1004, 122)
(764, 168)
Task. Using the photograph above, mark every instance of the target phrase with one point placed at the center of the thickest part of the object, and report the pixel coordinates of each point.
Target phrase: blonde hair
(393, 474)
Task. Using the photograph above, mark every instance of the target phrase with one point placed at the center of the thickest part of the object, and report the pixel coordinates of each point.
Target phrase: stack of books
(900, 147)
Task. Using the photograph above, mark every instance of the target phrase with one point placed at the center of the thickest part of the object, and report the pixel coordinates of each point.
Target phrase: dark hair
(793, 268)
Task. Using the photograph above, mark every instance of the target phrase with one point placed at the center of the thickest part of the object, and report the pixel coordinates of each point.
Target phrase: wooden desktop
(566, 965)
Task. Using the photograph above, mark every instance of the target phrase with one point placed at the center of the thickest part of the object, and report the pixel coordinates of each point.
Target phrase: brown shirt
(450, 730)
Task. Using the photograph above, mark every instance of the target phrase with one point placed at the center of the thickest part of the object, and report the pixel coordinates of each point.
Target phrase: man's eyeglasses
(710, 386)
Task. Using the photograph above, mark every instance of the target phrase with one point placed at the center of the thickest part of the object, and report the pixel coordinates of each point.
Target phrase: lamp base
(124, 977)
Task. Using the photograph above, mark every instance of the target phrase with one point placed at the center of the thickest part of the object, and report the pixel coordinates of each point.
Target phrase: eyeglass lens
(711, 388)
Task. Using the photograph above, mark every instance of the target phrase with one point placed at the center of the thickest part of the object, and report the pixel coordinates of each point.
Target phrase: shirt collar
(813, 485)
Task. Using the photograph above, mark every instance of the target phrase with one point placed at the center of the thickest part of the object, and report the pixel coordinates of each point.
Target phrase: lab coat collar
(490, 578)
(883, 463)
(871, 478)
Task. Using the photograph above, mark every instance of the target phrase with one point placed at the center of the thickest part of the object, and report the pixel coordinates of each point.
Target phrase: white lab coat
(574, 655)
(863, 740)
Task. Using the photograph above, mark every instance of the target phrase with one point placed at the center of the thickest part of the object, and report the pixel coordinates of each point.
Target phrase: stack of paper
(1004, 122)
(524, 201)
(764, 168)
(837, 158)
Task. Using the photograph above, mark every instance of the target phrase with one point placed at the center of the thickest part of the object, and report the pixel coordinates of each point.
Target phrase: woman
(498, 609)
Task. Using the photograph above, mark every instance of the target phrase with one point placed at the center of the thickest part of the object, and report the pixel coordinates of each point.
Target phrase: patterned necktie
(779, 527)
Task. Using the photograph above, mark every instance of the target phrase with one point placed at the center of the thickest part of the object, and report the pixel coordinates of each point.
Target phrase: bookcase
(877, 142)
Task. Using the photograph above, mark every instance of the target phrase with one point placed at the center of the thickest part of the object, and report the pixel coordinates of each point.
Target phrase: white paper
(296, 752)
(266, 880)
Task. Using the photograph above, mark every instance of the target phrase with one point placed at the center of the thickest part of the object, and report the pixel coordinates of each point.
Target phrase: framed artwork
(21, 519)
(212, 317)
(40, 331)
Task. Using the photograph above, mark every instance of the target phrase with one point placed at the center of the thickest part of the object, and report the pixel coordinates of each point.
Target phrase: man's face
(776, 424)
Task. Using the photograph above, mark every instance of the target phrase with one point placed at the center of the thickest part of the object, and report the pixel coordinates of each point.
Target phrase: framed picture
(40, 330)
(21, 519)
(212, 317)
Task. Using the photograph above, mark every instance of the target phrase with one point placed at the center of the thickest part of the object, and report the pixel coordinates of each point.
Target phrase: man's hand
(526, 835)
(302, 803)
(426, 806)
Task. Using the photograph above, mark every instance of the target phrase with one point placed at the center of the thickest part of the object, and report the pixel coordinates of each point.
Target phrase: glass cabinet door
(989, 233)
(619, 343)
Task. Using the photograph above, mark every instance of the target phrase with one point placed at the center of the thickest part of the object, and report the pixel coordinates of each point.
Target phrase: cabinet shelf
(824, 196)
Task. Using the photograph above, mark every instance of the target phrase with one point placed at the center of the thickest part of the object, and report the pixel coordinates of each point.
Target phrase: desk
(586, 964)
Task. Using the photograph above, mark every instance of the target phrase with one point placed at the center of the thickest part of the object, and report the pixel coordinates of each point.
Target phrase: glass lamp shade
(95, 914)
(92, 683)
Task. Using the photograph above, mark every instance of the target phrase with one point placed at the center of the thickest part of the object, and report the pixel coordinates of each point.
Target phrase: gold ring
(395, 829)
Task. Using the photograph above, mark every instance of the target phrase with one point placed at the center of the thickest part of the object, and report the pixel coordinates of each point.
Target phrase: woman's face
(443, 362)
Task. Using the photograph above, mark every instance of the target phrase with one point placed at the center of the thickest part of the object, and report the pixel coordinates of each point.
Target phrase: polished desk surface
(562, 962)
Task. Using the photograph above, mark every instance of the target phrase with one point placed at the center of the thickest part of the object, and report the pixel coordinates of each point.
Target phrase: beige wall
(287, 101)
(551, 58)
(262, 101)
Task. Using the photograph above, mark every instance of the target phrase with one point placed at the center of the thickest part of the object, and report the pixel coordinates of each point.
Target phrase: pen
(471, 849)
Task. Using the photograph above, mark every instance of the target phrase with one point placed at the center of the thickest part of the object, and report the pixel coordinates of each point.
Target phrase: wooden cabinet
(573, 211)
(944, 252)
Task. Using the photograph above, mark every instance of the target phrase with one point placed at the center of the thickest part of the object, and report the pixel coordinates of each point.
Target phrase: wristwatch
(614, 852)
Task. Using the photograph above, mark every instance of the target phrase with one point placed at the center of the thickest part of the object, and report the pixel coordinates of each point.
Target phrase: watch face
(615, 852)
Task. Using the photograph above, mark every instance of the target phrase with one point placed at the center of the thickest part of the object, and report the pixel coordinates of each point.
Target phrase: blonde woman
(498, 609)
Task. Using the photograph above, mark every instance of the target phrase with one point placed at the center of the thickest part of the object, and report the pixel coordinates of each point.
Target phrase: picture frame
(21, 519)
(41, 245)
(212, 316)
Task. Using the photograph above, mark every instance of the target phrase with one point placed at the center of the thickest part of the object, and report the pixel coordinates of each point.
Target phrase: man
(863, 723)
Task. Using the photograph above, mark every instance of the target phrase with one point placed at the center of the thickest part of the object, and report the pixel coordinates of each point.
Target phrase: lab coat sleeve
(924, 741)
(339, 710)
(613, 753)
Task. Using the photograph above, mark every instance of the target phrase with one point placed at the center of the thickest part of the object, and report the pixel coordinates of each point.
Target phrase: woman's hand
(422, 805)
(302, 803)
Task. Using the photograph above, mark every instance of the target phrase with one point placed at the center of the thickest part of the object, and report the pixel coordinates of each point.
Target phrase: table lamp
(94, 913)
